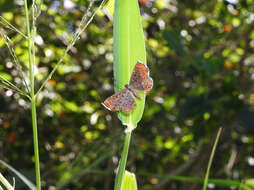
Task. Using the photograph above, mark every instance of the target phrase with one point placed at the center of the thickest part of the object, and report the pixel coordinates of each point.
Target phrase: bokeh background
(201, 57)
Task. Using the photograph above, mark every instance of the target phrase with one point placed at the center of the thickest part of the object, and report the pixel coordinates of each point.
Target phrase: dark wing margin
(122, 100)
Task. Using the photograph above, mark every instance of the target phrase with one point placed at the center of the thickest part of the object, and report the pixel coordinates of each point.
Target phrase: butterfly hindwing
(140, 79)
(122, 100)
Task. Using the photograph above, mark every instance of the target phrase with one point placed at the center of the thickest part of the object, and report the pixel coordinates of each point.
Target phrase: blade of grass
(21, 176)
(83, 25)
(11, 26)
(129, 47)
(5, 183)
(211, 159)
(219, 182)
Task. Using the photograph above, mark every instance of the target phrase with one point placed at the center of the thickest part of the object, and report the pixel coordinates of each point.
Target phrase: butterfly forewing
(140, 79)
(122, 100)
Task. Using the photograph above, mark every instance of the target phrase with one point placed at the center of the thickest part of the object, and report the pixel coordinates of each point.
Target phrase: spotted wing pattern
(140, 79)
(122, 100)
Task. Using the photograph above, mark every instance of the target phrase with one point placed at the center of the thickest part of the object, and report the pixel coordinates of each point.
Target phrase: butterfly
(124, 99)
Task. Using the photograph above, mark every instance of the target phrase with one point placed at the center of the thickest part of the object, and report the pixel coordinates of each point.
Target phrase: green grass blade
(129, 181)
(211, 159)
(217, 182)
(5, 183)
(22, 177)
(241, 185)
(129, 47)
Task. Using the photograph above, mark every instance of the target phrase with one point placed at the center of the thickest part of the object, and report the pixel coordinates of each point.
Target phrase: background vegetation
(200, 54)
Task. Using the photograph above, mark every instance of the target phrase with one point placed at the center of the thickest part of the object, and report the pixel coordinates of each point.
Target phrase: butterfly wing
(140, 79)
(122, 100)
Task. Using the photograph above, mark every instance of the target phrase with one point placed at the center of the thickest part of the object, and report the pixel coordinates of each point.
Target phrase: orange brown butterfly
(124, 100)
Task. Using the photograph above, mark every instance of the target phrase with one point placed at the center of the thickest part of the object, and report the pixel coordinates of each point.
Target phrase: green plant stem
(211, 159)
(36, 146)
(33, 99)
(122, 165)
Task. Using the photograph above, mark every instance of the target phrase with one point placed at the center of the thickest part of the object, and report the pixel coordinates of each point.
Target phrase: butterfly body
(133, 91)
(124, 100)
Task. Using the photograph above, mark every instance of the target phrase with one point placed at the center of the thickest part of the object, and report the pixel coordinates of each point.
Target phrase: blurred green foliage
(200, 54)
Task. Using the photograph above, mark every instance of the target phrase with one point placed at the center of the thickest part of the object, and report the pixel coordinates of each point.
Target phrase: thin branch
(8, 87)
(4, 80)
(11, 26)
(16, 61)
(73, 41)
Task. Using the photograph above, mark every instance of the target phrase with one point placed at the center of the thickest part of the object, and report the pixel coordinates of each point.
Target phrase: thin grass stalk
(123, 160)
(75, 37)
(11, 86)
(15, 59)
(33, 98)
(211, 159)
(12, 27)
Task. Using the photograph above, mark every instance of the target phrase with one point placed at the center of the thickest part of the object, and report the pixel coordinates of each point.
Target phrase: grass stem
(122, 165)
(211, 159)
(33, 99)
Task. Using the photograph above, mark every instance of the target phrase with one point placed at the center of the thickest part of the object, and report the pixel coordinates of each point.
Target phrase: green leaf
(129, 181)
(129, 47)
